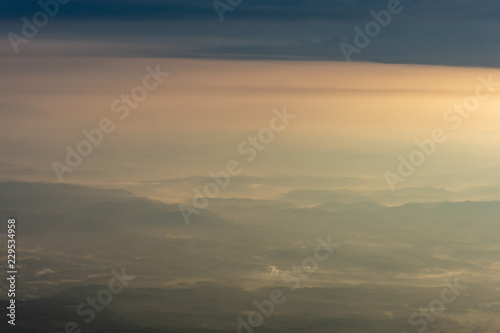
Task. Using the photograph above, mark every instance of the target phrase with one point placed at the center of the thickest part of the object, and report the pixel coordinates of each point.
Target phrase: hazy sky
(225, 78)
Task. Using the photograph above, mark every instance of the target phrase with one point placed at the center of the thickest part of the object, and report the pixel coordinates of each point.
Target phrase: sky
(225, 78)
(460, 33)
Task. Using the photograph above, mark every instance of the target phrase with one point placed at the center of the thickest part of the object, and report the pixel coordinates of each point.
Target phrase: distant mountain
(415, 194)
(47, 207)
(385, 197)
(359, 206)
(311, 197)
